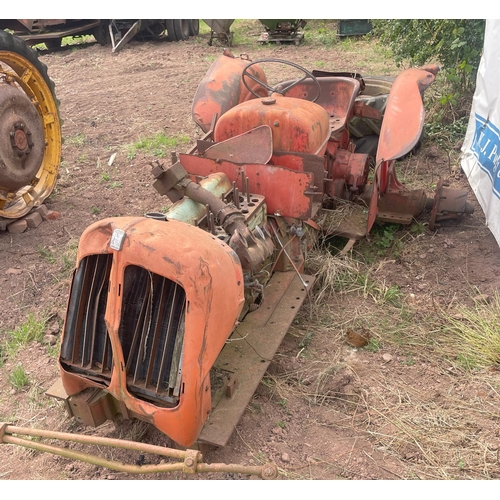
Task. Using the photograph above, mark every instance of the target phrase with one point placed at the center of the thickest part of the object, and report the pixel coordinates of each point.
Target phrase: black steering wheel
(278, 88)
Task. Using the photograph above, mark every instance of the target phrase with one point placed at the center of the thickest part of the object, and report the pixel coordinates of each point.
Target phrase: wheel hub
(20, 138)
(22, 143)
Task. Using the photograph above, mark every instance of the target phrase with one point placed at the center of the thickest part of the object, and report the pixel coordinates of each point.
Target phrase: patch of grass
(158, 145)
(68, 257)
(446, 135)
(77, 140)
(321, 32)
(373, 345)
(115, 184)
(18, 378)
(95, 210)
(282, 403)
(78, 40)
(473, 333)
(32, 329)
(105, 177)
(47, 254)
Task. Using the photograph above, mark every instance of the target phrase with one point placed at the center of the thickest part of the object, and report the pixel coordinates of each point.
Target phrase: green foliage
(31, 329)
(456, 46)
(18, 378)
(384, 235)
(446, 135)
(47, 254)
(158, 145)
(454, 43)
(386, 239)
(373, 345)
(77, 140)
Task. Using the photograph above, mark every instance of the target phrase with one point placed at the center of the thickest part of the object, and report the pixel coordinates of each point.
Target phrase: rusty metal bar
(190, 464)
(165, 358)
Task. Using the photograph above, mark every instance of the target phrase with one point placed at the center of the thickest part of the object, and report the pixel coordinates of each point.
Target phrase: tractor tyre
(101, 33)
(53, 43)
(30, 129)
(181, 27)
(194, 27)
(169, 23)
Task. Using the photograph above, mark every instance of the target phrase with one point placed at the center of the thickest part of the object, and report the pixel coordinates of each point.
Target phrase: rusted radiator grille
(152, 334)
(151, 329)
(86, 347)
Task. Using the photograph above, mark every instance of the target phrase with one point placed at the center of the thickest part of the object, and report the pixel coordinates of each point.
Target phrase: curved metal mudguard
(222, 88)
(404, 114)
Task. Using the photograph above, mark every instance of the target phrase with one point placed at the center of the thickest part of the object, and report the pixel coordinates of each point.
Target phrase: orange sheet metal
(222, 88)
(297, 125)
(283, 188)
(211, 275)
(404, 114)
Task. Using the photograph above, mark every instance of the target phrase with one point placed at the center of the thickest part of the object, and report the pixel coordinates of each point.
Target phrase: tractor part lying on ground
(188, 461)
(52, 31)
(175, 321)
(282, 31)
(117, 32)
(30, 129)
(220, 29)
(121, 31)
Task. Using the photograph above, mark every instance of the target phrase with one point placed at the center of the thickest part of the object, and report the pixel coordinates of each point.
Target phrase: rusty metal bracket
(190, 461)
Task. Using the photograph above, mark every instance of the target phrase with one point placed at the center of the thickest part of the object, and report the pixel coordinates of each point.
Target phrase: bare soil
(326, 409)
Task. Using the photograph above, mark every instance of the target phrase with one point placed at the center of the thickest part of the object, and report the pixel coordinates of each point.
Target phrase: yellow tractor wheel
(30, 129)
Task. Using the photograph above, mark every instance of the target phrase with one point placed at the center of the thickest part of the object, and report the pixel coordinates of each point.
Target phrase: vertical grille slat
(157, 334)
(166, 359)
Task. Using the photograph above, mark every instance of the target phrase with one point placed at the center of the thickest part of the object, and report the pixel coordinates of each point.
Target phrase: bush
(456, 44)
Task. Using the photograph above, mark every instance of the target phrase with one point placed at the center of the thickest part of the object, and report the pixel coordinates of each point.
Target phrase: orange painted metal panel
(283, 188)
(297, 125)
(222, 88)
(404, 114)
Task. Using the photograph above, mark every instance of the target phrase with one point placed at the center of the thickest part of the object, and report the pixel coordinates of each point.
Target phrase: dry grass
(435, 408)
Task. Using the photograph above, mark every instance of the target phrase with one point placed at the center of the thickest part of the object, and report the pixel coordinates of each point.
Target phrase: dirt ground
(326, 410)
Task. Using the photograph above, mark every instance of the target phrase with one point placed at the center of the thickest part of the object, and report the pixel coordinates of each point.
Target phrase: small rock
(50, 339)
(11, 270)
(285, 457)
(432, 153)
(53, 215)
(387, 357)
(53, 328)
(111, 477)
(278, 431)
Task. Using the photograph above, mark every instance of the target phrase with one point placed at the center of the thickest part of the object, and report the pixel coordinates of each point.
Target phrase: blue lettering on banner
(486, 148)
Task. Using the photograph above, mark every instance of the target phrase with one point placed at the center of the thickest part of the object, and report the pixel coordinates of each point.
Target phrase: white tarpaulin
(481, 149)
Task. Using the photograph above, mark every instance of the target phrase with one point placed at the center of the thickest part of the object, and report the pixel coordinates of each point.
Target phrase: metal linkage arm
(190, 461)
